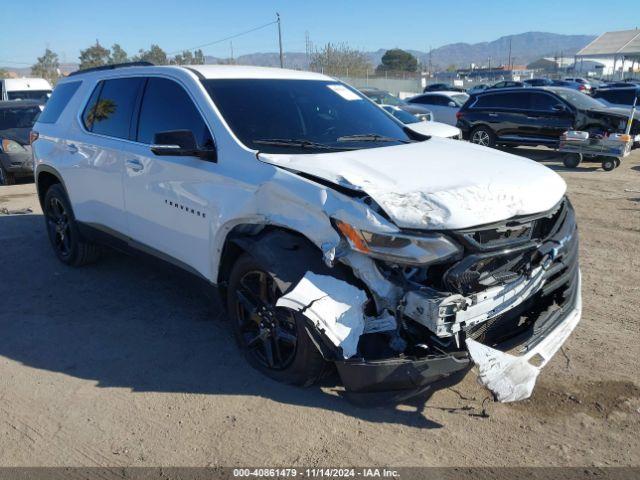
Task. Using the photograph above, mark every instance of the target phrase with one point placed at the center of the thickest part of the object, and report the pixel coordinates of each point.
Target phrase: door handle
(493, 114)
(135, 165)
(71, 148)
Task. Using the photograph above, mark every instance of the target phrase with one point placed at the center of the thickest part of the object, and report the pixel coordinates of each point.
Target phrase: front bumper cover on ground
(510, 377)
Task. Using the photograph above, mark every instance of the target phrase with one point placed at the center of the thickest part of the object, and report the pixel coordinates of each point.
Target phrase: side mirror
(180, 143)
(560, 108)
(452, 104)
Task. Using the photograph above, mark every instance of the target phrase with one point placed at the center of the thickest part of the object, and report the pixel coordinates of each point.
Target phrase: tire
(293, 359)
(608, 164)
(572, 160)
(483, 136)
(67, 242)
(6, 178)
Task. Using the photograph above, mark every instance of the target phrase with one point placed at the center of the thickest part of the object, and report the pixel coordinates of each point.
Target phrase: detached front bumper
(511, 377)
(509, 370)
(396, 379)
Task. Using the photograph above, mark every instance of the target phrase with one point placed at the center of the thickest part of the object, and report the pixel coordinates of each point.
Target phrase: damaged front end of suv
(428, 304)
(504, 296)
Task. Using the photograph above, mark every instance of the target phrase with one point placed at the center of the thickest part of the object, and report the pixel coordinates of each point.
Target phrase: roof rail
(111, 67)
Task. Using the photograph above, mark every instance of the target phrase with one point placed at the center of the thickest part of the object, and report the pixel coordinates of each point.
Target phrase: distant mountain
(525, 48)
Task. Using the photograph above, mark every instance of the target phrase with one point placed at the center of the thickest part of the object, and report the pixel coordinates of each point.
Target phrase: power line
(225, 39)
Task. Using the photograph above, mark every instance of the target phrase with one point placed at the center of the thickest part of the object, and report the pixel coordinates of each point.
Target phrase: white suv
(336, 235)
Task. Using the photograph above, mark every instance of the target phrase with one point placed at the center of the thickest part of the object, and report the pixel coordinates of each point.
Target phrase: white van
(25, 89)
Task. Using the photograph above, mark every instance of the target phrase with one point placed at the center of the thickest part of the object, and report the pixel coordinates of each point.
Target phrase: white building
(613, 54)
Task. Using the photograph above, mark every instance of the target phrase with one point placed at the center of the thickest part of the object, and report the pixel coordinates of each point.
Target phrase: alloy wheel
(58, 225)
(481, 137)
(267, 331)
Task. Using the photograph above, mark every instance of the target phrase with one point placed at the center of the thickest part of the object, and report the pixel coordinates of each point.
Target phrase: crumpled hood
(438, 183)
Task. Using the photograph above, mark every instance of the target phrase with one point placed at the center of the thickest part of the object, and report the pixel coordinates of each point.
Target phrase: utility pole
(231, 47)
(280, 41)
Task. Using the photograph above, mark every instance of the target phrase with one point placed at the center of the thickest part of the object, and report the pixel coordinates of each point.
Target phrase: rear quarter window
(60, 97)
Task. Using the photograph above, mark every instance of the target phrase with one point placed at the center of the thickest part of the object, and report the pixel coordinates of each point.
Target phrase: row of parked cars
(21, 101)
(506, 114)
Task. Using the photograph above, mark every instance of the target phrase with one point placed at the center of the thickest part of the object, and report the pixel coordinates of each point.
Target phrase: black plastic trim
(111, 67)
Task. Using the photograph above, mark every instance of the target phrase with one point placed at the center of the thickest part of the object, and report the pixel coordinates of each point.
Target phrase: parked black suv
(536, 116)
(619, 97)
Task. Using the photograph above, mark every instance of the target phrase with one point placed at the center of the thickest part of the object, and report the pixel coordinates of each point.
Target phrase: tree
(118, 55)
(184, 58)
(188, 58)
(397, 60)
(94, 56)
(198, 57)
(47, 67)
(340, 59)
(154, 55)
(4, 73)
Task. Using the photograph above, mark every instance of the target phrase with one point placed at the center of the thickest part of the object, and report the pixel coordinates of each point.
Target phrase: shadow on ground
(129, 322)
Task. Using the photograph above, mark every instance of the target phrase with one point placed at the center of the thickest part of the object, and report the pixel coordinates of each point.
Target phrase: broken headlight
(400, 248)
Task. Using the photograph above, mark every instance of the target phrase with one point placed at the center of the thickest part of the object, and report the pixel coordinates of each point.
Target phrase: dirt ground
(127, 363)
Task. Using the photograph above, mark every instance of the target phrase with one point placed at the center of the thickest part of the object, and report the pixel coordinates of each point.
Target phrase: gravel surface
(127, 362)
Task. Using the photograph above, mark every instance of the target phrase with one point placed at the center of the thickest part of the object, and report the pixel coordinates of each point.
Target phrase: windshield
(576, 98)
(18, 117)
(39, 95)
(325, 113)
(384, 98)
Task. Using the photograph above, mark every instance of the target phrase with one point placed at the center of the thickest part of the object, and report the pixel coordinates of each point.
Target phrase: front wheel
(273, 339)
(483, 136)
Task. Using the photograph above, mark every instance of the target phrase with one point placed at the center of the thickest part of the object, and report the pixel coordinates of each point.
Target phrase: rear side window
(509, 100)
(167, 106)
(110, 108)
(18, 117)
(424, 100)
(58, 101)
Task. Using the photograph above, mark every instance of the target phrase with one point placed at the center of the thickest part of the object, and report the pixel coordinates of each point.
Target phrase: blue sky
(66, 26)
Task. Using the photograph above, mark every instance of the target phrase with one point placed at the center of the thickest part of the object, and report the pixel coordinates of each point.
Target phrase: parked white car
(581, 80)
(333, 233)
(444, 105)
(37, 89)
(424, 127)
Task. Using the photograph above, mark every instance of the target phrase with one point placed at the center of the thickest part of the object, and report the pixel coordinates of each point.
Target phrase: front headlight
(400, 248)
(9, 146)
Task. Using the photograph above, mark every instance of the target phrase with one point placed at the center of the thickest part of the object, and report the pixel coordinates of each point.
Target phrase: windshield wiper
(370, 137)
(296, 143)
